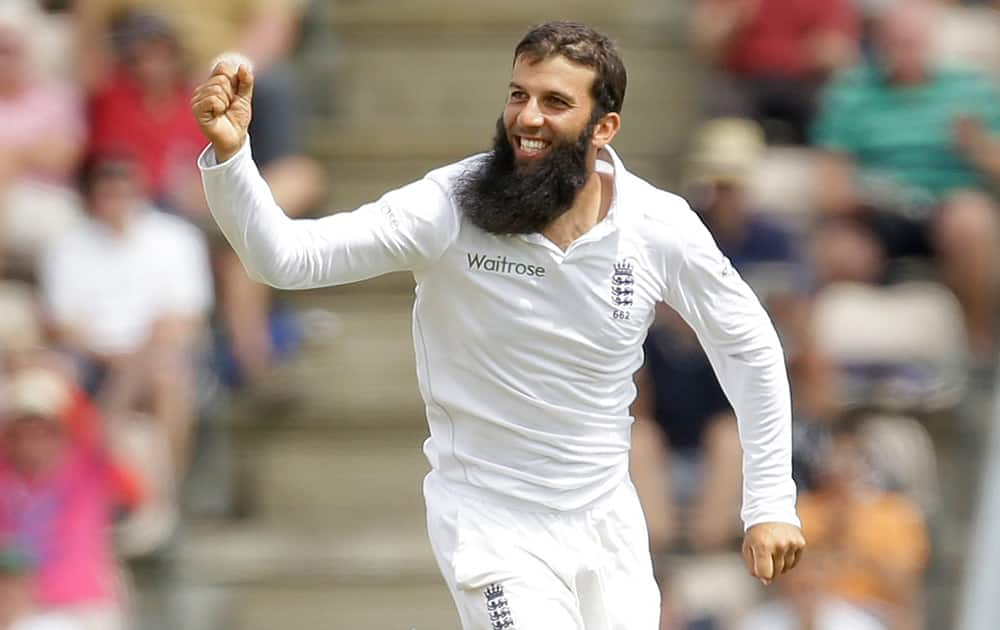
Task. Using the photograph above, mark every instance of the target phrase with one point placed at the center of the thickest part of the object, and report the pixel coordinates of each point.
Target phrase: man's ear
(606, 129)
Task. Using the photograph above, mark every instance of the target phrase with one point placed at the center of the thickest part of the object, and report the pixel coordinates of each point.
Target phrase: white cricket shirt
(525, 353)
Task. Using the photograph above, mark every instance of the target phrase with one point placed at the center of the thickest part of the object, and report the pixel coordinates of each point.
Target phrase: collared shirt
(525, 352)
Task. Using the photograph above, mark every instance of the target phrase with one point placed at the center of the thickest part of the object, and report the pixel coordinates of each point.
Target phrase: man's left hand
(771, 549)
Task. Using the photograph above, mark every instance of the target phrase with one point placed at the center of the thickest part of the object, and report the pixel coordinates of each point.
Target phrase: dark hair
(110, 164)
(133, 28)
(583, 45)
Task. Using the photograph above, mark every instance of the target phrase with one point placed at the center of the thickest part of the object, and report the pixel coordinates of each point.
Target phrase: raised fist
(771, 549)
(221, 105)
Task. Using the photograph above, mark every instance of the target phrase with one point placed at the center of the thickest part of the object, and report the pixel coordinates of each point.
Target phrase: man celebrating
(538, 266)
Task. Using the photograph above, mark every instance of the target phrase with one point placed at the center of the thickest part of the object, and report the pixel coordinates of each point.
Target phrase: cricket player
(538, 266)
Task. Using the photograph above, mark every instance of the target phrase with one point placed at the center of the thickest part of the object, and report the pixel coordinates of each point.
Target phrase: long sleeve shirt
(525, 352)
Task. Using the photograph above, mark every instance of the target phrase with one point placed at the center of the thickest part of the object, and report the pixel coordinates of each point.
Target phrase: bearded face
(504, 195)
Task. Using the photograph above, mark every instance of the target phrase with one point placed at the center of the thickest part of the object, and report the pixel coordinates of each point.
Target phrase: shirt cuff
(774, 517)
(208, 162)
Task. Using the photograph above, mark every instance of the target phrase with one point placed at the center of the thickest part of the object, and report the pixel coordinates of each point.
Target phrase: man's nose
(530, 115)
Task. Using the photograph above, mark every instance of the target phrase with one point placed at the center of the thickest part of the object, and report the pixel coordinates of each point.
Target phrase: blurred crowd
(120, 300)
(849, 167)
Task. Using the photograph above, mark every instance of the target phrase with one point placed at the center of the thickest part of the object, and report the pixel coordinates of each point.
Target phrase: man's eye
(558, 102)
(518, 95)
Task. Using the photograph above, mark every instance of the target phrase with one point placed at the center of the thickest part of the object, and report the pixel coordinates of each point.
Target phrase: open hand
(221, 105)
(771, 549)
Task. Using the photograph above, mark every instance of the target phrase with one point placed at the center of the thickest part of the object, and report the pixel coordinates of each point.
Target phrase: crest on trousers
(497, 608)
(622, 284)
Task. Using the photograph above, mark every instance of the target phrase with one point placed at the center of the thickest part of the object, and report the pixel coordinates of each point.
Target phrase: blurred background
(182, 448)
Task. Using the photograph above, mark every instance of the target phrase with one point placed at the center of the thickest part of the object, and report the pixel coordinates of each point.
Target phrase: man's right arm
(407, 229)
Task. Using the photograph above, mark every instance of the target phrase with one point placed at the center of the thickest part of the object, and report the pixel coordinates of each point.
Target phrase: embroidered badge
(622, 289)
(622, 283)
(498, 609)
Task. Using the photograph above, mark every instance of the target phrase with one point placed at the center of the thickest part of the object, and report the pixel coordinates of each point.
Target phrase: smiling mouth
(531, 147)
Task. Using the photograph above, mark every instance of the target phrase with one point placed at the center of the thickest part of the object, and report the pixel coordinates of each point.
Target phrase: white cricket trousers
(511, 568)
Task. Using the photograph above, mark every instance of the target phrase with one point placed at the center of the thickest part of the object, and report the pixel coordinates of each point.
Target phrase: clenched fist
(221, 105)
(771, 549)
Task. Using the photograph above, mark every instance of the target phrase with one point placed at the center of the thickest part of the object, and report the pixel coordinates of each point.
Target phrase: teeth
(532, 145)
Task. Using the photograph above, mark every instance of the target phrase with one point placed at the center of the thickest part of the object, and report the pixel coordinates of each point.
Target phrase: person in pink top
(57, 493)
(42, 133)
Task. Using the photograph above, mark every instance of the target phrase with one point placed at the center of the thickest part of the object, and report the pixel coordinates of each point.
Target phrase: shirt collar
(618, 176)
(607, 160)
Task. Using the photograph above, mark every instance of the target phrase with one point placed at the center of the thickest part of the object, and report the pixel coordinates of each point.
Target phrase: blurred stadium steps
(413, 87)
(326, 465)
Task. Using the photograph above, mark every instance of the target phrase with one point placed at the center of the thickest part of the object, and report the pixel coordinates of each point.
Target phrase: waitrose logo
(500, 264)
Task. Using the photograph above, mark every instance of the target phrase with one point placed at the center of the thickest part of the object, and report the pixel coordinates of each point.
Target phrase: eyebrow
(566, 97)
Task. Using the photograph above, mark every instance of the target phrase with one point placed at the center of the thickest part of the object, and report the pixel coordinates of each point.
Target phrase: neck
(35, 471)
(118, 224)
(157, 97)
(909, 77)
(589, 208)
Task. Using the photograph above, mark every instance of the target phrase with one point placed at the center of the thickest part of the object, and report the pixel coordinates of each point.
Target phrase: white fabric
(588, 569)
(20, 326)
(86, 617)
(524, 358)
(112, 288)
(831, 614)
(46, 622)
(33, 215)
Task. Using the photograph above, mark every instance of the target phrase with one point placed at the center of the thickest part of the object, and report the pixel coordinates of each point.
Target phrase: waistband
(451, 487)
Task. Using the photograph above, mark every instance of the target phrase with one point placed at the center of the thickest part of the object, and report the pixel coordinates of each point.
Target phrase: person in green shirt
(911, 167)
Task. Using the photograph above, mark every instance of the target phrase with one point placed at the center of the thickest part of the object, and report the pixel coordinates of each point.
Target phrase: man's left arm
(979, 146)
(977, 133)
(745, 353)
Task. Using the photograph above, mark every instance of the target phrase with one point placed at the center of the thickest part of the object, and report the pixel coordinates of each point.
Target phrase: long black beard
(502, 198)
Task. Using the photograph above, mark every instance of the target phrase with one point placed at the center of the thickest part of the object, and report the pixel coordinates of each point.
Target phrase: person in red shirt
(142, 109)
(140, 106)
(770, 57)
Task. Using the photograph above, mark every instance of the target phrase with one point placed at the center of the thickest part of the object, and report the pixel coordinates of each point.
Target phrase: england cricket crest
(623, 288)
(497, 608)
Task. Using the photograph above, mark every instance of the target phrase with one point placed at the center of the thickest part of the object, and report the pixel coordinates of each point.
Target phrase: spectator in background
(818, 397)
(17, 610)
(147, 87)
(802, 602)
(57, 504)
(869, 547)
(686, 454)
(143, 109)
(15, 589)
(267, 33)
(680, 402)
(721, 167)
(41, 138)
(911, 168)
(770, 57)
(128, 292)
